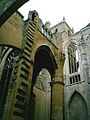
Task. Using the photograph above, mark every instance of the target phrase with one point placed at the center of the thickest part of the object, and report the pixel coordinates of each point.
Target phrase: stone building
(44, 71)
(76, 72)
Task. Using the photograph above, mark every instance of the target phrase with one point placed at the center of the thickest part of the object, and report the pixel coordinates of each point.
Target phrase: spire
(63, 18)
(72, 30)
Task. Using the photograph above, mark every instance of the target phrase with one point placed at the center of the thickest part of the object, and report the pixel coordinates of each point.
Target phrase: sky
(76, 12)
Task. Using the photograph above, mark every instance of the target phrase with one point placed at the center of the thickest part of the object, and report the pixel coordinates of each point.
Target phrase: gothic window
(6, 75)
(73, 58)
(73, 63)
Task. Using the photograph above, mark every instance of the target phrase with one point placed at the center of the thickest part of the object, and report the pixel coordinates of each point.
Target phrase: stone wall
(11, 32)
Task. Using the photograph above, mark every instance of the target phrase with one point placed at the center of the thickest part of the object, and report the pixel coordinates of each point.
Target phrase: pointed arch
(8, 56)
(44, 63)
(44, 59)
(77, 107)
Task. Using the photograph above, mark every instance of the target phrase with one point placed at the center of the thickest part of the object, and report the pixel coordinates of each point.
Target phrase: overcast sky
(76, 12)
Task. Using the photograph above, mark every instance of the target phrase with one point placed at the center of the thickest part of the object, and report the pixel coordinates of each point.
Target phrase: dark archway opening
(44, 60)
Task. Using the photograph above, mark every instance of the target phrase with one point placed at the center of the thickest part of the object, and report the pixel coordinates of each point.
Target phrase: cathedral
(44, 70)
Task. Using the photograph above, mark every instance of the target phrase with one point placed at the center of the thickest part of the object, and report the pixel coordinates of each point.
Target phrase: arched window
(8, 57)
(73, 58)
(73, 63)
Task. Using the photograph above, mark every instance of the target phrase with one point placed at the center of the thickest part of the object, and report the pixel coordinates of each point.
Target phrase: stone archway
(44, 59)
(77, 108)
(44, 65)
(42, 92)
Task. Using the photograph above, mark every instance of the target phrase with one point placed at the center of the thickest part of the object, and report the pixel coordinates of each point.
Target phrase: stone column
(84, 70)
(57, 93)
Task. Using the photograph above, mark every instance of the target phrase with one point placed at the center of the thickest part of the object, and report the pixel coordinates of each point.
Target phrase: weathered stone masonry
(44, 72)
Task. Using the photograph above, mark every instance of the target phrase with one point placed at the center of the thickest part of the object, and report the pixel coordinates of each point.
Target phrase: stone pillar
(84, 70)
(57, 94)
